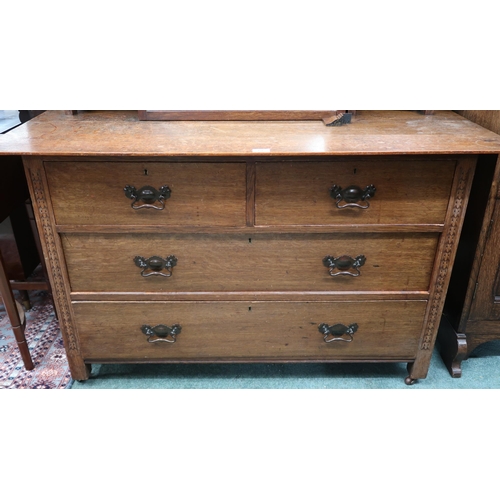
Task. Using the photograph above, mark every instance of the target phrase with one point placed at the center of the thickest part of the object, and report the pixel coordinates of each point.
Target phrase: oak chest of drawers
(237, 242)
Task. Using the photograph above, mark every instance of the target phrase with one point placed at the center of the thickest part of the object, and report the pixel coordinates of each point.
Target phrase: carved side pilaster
(446, 261)
(51, 254)
(445, 257)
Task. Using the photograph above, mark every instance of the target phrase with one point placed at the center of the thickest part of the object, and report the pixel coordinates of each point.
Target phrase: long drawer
(271, 262)
(405, 192)
(139, 331)
(198, 194)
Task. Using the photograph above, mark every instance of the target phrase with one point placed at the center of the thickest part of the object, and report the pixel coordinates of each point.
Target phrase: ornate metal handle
(156, 265)
(351, 195)
(148, 195)
(160, 333)
(337, 332)
(343, 264)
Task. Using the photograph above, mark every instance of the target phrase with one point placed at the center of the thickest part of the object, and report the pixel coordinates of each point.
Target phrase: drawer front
(265, 262)
(406, 192)
(201, 194)
(248, 330)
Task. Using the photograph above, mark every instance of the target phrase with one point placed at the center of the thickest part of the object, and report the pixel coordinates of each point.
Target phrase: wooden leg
(80, 371)
(16, 317)
(452, 347)
(23, 346)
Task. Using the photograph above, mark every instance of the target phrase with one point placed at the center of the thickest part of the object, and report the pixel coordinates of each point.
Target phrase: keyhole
(249, 308)
(249, 240)
(145, 171)
(355, 170)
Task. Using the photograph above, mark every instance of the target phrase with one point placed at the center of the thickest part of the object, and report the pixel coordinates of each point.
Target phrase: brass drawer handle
(155, 265)
(148, 195)
(351, 195)
(337, 332)
(343, 264)
(160, 333)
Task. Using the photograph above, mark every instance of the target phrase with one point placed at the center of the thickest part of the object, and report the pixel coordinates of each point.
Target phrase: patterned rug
(45, 344)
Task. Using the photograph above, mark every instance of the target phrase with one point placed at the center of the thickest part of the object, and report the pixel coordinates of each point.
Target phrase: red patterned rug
(45, 344)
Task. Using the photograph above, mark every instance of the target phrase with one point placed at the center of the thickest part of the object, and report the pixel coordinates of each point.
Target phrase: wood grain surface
(239, 330)
(250, 220)
(121, 133)
(210, 194)
(236, 115)
(407, 192)
(489, 119)
(265, 262)
(486, 303)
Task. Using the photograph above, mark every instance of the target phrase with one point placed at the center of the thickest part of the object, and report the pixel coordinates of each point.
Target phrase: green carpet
(480, 371)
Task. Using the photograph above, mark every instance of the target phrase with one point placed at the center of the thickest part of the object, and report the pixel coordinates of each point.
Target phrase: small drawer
(253, 262)
(385, 191)
(141, 331)
(148, 193)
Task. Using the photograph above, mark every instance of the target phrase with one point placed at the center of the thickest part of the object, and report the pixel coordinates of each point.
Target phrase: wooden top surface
(104, 133)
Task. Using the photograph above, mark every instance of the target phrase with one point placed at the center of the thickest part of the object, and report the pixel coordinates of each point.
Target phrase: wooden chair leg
(16, 317)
